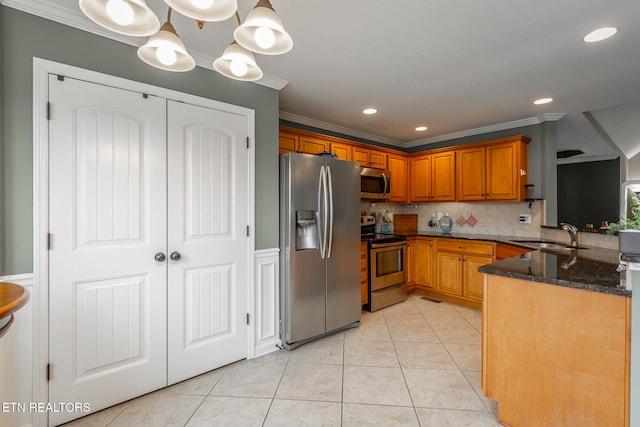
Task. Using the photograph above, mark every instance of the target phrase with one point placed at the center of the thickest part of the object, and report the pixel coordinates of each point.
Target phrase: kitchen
(17, 131)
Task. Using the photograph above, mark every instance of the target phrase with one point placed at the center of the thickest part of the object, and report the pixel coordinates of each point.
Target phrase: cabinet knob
(160, 257)
(175, 256)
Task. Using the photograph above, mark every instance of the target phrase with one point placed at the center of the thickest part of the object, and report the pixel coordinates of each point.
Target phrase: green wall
(23, 37)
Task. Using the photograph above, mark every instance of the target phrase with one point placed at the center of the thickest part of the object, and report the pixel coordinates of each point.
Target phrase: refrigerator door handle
(330, 212)
(321, 225)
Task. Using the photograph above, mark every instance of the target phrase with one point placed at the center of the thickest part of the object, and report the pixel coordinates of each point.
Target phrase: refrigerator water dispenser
(306, 230)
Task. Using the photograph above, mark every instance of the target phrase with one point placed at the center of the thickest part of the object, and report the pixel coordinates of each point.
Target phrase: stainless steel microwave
(375, 184)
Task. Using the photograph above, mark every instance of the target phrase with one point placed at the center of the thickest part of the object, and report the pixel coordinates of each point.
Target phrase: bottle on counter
(432, 222)
(446, 223)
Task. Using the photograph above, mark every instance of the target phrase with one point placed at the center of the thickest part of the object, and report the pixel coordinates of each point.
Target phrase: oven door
(387, 265)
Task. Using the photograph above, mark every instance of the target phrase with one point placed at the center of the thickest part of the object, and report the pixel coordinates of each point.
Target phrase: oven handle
(388, 245)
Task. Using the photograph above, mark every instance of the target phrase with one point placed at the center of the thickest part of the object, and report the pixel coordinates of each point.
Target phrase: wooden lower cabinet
(505, 250)
(364, 273)
(453, 275)
(554, 355)
(410, 264)
(423, 256)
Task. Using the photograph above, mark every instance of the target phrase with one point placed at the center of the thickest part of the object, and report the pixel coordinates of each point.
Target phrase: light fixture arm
(238, 18)
(264, 3)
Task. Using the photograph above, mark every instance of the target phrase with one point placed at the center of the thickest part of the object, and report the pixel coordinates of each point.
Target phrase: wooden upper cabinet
(370, 158)
(433, 177)
(496, 171)
(471, 174)
(506, 171)
(443, 183)
(287, 142)
(377, 159)
(343, 151)
(398, 168)
(313, 145)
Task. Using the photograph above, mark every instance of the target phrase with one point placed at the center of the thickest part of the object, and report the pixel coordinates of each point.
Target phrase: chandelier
(262, 32)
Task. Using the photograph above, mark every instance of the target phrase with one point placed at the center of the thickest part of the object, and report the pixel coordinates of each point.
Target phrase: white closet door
(207, 190)
(107, 219)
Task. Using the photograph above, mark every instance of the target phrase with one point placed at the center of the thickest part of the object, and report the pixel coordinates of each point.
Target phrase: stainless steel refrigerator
(319, 246)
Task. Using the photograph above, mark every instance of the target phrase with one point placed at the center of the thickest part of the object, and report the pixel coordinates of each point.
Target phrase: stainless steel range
(387, 267)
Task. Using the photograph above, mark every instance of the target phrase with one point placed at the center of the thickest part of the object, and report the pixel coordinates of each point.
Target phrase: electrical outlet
(439, 215)
(525, 218)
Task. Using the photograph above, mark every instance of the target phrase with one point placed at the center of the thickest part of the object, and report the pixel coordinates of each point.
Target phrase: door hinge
(48, 111)
(48, 371)
(60, 78)
(247, 318)
(49, 237)
(145, 96)
(247, 142)
(248, 231)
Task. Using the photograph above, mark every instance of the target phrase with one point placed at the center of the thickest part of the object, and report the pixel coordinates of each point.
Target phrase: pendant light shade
(263, 32)
(205, 10)
(166, 51)
(128, 17)
(238, 63)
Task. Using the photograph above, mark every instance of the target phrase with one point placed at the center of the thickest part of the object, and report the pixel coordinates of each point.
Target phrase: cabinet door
(410, 263)
(313, 145)
(420, 179)
(471, 174)
(364, 273)
(502, 172)
(473, 279)
(343, 151)
(378, 159)
(287, 142)
(449, 273)
(424, 263)
(361, 155)
(443, 177)
(398, 169)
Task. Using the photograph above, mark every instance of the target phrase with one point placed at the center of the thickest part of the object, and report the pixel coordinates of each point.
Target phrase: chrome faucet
(573, 232)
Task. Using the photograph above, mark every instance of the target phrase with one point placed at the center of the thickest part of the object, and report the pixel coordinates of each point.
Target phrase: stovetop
(382, 238)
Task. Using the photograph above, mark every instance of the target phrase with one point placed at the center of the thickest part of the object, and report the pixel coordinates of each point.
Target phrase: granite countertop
(591, 268)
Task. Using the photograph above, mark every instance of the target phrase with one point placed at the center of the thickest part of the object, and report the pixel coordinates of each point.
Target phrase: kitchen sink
(548, 244)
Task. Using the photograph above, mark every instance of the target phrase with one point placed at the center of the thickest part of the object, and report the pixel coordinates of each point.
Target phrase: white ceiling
(459, 67)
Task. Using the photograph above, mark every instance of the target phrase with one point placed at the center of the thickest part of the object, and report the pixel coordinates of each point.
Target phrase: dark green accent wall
(589, 192)
(23, 37)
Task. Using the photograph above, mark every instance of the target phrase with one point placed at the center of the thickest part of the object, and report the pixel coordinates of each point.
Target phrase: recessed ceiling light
(369, 111)
(542, 101)
(599, 34)
(421, 128)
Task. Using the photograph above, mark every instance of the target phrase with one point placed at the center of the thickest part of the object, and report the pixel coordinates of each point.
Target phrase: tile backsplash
(499, 218)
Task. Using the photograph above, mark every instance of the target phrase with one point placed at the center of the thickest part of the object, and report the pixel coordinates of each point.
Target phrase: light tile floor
(416, 363)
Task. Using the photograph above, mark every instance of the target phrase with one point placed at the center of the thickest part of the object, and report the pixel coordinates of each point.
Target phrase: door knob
(175, 256)
(160, 257)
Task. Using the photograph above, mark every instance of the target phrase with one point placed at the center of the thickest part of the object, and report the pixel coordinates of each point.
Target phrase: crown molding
(75, 18)
(586, 158)
(546, 117)
(339, 129)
